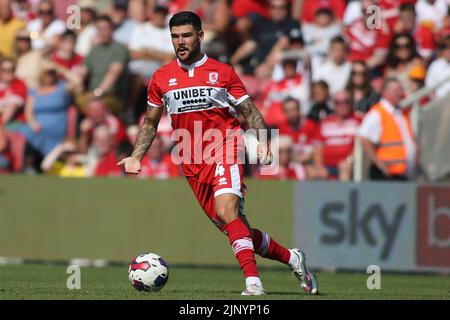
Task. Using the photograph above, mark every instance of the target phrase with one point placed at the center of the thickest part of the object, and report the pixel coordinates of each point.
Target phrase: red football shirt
(163, 169)
(76, 60)
(311, 6)
(337, 138)
(13, 93)
(107, 166)
(364, 41)
(274, 97)
(199, 97)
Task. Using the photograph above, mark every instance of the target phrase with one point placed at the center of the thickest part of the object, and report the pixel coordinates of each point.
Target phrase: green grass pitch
(49, 282)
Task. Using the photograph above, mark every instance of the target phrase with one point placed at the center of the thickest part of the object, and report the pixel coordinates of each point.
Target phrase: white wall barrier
(397, 226)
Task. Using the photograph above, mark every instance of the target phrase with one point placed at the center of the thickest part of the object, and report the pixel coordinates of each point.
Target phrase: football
(148, 272)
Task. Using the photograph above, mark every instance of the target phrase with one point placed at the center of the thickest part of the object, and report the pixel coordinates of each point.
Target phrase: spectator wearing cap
(335, 70)
(359, 85)
(440, 69)
(269, 36)
(318, 34)
(13, 93)
(335, 140)
(416, 81)
(45, 29)
(387, 138)
(9, 27)
(105, 69)
(368, 44)
(86, 34)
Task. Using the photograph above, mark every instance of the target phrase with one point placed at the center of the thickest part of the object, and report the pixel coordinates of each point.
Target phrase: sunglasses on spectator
(45, 12)
(274, 6)
(361, 73)
(402, 45)
(342, 102)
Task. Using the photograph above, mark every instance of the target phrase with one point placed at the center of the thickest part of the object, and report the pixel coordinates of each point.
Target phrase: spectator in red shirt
(243, 11)
(23, 11)
(157, 163)
(335, 140)
(97, 114)
(292, 85)
(288, 168)
(422, 33)
(5, 155)
(101, 155)
(13, 93)
(300, 129)
(304, 10)
(369, 43)
(294, 124)
(64, 54)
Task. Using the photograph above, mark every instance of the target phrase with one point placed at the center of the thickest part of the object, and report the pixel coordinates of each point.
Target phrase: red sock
(241, 241)
(266, 247)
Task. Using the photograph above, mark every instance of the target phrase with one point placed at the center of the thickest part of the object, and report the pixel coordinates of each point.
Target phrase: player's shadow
(294, 293)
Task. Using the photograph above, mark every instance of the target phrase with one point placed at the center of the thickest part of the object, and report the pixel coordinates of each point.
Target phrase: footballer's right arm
(144, 140)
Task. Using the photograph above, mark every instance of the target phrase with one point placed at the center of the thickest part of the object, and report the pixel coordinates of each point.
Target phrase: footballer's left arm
(256, 122)
(252, 115)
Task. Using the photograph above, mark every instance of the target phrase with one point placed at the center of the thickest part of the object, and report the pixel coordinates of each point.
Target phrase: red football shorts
(214, 180)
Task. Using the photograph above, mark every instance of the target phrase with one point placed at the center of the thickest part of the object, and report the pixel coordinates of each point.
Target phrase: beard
(191, 56)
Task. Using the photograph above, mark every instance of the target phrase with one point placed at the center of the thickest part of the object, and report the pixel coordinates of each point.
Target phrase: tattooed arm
(256, 122)
(143, 141)
(252, 115)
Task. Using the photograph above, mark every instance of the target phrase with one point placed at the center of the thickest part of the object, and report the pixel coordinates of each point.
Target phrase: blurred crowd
(73, 87)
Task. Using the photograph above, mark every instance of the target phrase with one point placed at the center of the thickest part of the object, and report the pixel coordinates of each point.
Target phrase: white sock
(293, 260)
(252, 281)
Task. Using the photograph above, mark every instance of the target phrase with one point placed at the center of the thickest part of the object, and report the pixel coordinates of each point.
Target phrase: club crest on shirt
(213, 78)
(173, 82)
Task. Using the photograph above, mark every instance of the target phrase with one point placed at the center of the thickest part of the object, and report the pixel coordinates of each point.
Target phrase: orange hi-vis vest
(391, 148)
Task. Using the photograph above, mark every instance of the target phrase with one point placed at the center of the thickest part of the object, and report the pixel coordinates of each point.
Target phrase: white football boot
(253, 290)
(307, 280)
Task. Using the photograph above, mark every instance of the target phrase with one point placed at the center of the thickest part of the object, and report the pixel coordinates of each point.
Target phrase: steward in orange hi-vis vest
(391, 149)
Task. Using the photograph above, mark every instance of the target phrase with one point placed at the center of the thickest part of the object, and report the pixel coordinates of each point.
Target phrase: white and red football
(148, 272)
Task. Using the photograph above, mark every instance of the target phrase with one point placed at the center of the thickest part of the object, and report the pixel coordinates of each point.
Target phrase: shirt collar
(388, 106)
(195, 64)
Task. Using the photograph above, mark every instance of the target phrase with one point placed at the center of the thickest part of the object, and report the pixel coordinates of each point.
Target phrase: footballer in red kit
(203, 97)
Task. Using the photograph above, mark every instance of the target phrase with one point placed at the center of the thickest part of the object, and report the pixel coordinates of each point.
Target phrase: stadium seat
(72, 121)
(17, 143)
